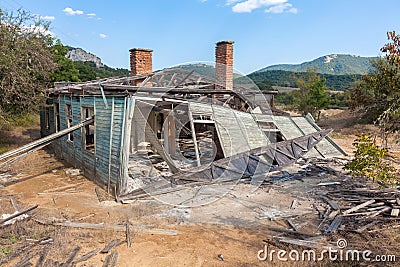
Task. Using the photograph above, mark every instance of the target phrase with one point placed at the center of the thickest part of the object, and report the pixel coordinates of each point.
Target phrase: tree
(378, 94)
(311, 97)
(371, 161)
(25, 61)
(66, 70)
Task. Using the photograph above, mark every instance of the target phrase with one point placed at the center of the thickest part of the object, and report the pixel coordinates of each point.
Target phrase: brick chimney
(224, 65)
(141, 62)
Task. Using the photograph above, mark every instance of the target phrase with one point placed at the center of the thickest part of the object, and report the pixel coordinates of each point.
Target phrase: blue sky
(265, 32)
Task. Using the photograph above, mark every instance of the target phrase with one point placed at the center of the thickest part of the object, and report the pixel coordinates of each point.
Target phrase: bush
(370, 161)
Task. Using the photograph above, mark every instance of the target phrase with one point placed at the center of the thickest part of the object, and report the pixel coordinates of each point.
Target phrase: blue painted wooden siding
(49, 109)
(104, 164)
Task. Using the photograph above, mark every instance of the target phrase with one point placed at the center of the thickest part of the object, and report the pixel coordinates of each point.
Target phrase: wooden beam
(196, 148)
(46, 139)
(18, 214)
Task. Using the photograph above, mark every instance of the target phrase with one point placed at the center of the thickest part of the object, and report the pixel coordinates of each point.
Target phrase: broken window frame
(57, 117)
(271, 131)
(69, 121)
(88, 131)
(47, 117)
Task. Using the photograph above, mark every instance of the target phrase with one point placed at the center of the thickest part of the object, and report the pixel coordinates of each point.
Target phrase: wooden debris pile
(354, 208)
(344, 205)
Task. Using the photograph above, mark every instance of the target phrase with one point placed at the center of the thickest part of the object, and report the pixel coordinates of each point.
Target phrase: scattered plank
(111, 259)
(326, 216)
(18, 214)
(110, 246)
(291, 224)
(395, 212)
(380, 211)
(298, 242)
(115, 227)
(328, 183)
(359, 207)
(334, 225)
(333, 214)
(87, 256)
(334, 205)
(365, 227)
(128, 235)
(41, 259)
(23, 261)
(289, 231)
(71, 257)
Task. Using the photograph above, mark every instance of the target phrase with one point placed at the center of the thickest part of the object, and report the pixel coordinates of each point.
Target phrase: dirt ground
(228, 232)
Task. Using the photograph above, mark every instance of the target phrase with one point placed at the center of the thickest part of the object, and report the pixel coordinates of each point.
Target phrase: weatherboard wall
(47, 118)
(103, 165)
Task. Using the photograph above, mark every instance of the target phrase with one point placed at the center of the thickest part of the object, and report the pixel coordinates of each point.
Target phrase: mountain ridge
(80, 55)
(336, 64)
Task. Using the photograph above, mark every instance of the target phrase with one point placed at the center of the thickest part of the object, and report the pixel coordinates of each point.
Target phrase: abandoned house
(122, 131)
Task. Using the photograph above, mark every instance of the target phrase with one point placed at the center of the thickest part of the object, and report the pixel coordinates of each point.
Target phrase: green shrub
(5, 251)
(370, 161)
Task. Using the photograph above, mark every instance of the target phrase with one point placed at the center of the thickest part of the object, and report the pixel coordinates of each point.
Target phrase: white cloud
(273, 6)
(70, 12)
(281, 8)
(91, 15)
(102, 35)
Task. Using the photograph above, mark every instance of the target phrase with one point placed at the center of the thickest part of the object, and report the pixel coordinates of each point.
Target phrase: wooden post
(110, 148)
(170, 135)
(196, 149)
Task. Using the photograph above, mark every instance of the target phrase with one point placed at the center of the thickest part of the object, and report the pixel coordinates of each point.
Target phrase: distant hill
(90, 66)
(335, 64)
(266, 79)
(202, 69)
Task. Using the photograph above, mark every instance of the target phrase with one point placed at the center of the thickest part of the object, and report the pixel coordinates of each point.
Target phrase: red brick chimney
(224, 65)
(141, 62)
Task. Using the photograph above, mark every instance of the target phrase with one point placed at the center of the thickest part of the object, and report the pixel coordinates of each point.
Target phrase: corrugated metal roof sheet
(238, 131)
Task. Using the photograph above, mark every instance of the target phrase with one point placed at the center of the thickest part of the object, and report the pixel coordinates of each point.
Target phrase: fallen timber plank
(334, 225)
(18, 214)
(110, 246)
(334, 205)
(111, 259)
(298, 242)
(167, 188)
(71, 257)
(290, 232)
(272, 151)
(46, 139)
(359, 207)
(365, 227)
(23, 261)
(41, 259)
(115, 227)
(291, 224)
(87, 256)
